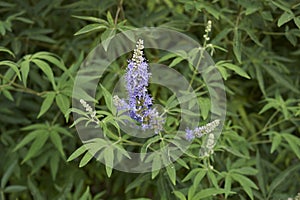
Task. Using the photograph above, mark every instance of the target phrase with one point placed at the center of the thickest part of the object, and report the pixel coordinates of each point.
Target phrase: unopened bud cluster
(207, 30)
(88, 108)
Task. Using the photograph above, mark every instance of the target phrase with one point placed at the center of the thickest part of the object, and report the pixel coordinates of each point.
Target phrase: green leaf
(54, 163)
(77, 153)
(246, 183)
(156, 165)
(237, 50)
(52, 58)
(3, 49)
(281, 5)
(213, 178)
(86, 194)
(56, 140)
(182, 163)
(8, 95)
(260, 79)
(62, 102)
(37, 145)
(284, 18)
(297, 21)
(46, 103)
(204, 193)
(176, 61)
(89, 18)
(294, 143)
(237, 70)
(137, 182)
(13, 66)
(24, 71)
(107, 97)
(191, 174)
(276, 141)
(42, 38)
(90, 28)
(200, 175)
(108, 159)
(261, 175)
(245, 171)
(205, 105)
(223, 72)
(281, 178)
(179, 195)
(279, 78)
(28, 138)
(110, 18)
(85, 159)
(7, 173)
(171, 173)
(34, 190)
(46, 69)
(227, 187)
(14, 188)
(35, 126)
(107, 36)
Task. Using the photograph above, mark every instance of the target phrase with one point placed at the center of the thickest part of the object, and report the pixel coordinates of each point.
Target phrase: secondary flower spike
(202, 130)
(139, 102)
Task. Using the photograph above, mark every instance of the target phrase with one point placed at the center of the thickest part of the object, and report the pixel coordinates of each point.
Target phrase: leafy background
(42, 45)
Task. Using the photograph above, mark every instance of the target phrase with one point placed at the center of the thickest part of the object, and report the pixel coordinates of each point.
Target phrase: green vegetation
(255, 45)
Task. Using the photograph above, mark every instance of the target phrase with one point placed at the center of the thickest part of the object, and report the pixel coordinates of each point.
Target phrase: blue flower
(140, 103)
(189, 134)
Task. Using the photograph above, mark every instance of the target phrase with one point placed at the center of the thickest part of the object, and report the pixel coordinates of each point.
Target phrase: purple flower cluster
(202, 130)
(139, 101)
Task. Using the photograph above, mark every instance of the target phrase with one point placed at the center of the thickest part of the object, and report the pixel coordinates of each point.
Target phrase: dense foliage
(255, 47)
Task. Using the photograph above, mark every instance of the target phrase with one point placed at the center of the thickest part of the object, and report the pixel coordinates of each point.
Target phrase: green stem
(195, 71)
